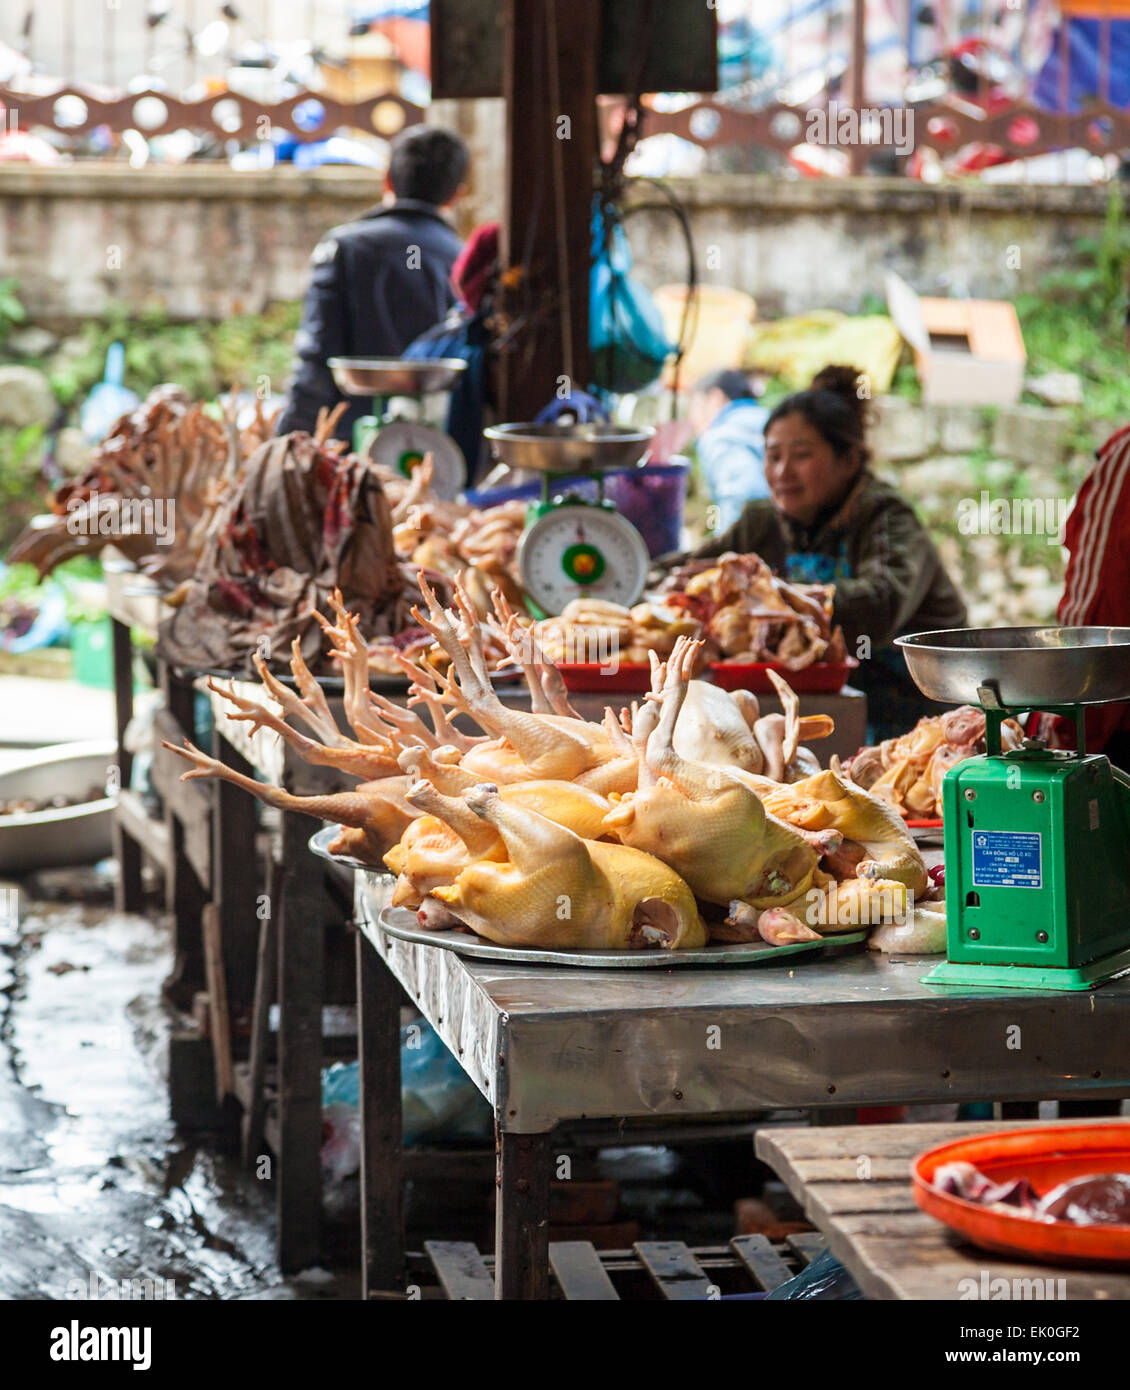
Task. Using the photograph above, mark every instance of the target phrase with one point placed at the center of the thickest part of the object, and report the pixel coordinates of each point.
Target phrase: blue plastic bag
(626, 335)
(824, 1279)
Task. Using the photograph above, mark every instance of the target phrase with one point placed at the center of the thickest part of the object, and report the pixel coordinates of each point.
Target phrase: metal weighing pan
(568, 449)
(402, 924)
(1030, 667)
(394, 376)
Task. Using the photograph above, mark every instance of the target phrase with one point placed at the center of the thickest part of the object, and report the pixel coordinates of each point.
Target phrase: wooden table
(853, 1182)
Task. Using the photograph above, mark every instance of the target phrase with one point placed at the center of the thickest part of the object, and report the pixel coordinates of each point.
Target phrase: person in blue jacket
(377, 283)
(729, 426)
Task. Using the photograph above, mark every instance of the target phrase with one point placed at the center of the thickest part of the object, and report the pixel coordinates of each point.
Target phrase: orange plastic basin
(1047, 1156)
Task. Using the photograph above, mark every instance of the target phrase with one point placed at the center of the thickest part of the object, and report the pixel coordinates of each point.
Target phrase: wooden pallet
(650, 1270)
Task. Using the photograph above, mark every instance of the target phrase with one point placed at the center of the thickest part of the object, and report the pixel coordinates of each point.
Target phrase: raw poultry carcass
(727, 729)
(749, 615)
(556, 889)
(448, 836)
(303, 520)
(589, 630)
(876, 843)
(907, 771)
(524, 745)
(150, 490)
(704, 820)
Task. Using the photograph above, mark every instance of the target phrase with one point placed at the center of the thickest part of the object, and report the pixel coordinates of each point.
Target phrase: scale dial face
(402, 444)
(582, 552)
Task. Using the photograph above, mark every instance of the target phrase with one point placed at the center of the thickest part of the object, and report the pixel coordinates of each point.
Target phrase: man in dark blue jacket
(379, 282)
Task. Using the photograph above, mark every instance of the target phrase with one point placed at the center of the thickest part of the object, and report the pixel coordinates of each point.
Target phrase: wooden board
(853, 1182)
(579, 1272)
(766, 1268)
(461, 1271)
(675, 1271)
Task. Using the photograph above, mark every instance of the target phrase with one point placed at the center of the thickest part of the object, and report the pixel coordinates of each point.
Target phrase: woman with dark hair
(830, 520)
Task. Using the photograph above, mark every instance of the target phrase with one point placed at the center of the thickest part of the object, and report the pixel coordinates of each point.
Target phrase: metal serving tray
(375, 888)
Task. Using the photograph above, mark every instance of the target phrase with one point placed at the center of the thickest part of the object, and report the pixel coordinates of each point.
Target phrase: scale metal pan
(394, 376)
(1031, 667)
(568, 449)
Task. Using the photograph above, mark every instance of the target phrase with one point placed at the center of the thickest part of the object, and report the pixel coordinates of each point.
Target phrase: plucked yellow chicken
(557, 889)
(701, 819)
(448, 835)
(876, 843)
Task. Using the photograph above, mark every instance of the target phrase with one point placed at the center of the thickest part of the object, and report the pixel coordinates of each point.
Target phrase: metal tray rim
(727, 954)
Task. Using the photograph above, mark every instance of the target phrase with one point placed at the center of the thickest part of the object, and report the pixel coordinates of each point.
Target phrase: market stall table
(277, 957)
(853, 1182)
(550, 1043)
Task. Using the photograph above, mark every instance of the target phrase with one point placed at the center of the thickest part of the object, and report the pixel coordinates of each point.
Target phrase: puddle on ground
(96, 1186)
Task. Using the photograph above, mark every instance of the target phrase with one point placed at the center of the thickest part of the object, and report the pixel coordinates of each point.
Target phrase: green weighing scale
(398, 442)
(1037, 841)
(573, 547)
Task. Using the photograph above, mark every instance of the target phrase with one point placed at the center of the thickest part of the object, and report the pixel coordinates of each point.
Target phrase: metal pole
(858, 87)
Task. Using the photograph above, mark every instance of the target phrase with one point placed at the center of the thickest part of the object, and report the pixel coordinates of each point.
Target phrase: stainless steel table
(547, 1044)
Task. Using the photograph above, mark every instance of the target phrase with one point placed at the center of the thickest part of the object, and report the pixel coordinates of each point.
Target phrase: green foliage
(204, 358)
(1075, 322)
(12, 310)
(22, 489)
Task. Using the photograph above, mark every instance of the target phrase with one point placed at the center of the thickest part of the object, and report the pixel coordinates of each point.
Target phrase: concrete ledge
(821, 196)
(91, 179)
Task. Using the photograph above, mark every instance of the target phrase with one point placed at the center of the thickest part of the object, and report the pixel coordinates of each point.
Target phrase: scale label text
(1007, 859)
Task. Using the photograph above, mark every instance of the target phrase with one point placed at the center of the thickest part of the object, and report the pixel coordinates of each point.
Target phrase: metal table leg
(301, 965)
(127, 892)
(378, 1046)
(521, 1229)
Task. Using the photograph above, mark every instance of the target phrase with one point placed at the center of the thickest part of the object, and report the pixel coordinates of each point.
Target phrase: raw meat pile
(688, 816)
(168, 449)
(908, 771)
(749, 615)
(301, 521)
(591, 630)
(1094, 1200)
(445, 541)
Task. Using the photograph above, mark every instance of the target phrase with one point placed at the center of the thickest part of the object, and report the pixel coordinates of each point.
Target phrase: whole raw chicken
(556, 889)
(704, 821)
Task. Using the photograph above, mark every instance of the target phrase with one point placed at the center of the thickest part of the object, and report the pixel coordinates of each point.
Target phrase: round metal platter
(319, 844)
(394, 376)
(399, 922)
(571, 535)
(1030, 667)
(568, 449)
(402, 444)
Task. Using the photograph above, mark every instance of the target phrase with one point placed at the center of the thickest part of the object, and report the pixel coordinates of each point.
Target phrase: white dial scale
(582, 551)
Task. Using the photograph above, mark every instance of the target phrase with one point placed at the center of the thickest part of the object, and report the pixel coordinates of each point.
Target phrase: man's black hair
(733, 384)
(427, 164)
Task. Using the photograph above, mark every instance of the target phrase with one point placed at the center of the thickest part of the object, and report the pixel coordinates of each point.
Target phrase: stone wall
(201, 241)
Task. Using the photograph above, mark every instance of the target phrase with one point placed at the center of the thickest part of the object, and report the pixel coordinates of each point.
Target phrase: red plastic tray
(821, 678)
(1046, 1155)
(628, 677)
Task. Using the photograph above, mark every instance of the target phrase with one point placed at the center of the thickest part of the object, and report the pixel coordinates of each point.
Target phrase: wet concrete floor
(96, 1186)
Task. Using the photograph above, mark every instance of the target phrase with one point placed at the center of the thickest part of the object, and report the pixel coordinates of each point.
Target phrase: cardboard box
(967, 351)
